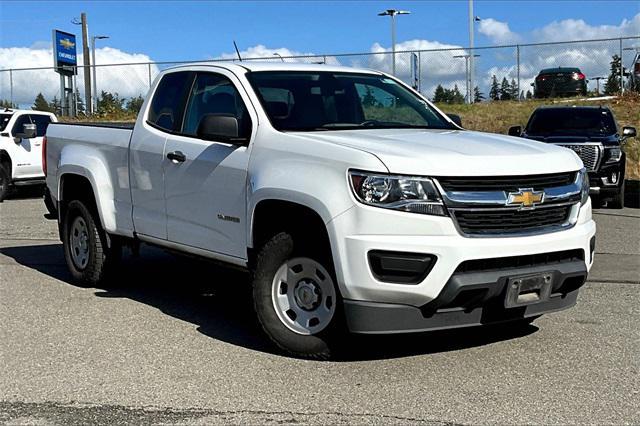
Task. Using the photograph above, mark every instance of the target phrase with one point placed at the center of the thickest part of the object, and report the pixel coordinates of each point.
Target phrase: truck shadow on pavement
(218, 301)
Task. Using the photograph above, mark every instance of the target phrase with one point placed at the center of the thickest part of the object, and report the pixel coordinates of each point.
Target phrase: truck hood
(430, 152)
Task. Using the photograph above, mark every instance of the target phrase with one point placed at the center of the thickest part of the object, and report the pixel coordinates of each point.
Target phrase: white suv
(21, 133)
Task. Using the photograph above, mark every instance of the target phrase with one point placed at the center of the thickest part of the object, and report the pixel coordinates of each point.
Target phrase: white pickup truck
(21, 133)
(354, 202)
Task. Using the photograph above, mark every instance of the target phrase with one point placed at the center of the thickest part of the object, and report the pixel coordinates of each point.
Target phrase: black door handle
(177, 157)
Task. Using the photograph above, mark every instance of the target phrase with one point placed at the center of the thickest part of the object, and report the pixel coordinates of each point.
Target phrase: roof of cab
(575, 107)
(256, 65)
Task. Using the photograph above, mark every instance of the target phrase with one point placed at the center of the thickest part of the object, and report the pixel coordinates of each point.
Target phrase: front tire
(296, 299)
(86, 250)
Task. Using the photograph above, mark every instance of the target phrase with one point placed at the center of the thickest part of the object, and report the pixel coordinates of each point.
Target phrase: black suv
(560, 81)
(592, 133)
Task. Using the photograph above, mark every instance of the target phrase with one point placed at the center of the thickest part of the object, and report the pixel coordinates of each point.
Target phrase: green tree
(478, 96)
(110, 103)
(135, 104)
(514, 89)
(455, 96)
(505, 90)
(439, 95)
(494, 91)
(5, 103)
(41, 104)
(612, 86)
(55, 106)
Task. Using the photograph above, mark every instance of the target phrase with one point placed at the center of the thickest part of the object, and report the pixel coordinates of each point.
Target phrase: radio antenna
(237, 51)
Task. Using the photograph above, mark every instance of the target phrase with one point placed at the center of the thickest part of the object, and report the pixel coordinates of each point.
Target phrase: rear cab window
(167, 105)
(214, 94)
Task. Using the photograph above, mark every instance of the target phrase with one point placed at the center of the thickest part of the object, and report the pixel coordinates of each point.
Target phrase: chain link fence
(464, 68)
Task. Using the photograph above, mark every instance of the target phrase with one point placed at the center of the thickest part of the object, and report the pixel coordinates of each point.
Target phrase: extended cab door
(205, 180)
(147, 153)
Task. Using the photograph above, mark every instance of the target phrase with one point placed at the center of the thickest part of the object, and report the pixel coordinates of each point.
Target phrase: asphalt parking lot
(174, 341)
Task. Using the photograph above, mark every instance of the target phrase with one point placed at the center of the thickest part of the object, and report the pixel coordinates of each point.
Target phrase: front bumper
(365, 296)
(468, 299)
(601, 182)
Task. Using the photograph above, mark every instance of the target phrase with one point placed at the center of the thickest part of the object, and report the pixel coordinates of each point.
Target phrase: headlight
(404, 193)
(585, 186)
(613, 154)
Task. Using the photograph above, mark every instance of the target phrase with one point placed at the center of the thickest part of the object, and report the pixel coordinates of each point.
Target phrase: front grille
(510, 220)
(506, 183)
(589, 154)
(530, 260)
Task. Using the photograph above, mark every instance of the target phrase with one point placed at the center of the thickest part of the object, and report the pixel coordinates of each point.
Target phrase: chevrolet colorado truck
(21, 133)
(592, 132)
(354, 202)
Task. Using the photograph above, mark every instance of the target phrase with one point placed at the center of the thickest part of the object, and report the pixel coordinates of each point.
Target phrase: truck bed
(99, 151)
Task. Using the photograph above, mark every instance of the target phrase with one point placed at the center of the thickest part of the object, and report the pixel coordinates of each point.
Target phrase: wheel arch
(78, 184)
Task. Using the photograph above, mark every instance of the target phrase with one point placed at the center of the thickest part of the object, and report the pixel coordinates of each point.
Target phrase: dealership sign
(64, 52)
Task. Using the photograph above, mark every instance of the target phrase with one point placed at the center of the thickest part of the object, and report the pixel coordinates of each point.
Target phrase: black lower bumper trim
(468, 299)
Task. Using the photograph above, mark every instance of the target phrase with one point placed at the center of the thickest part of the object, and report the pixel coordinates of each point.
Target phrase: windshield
(319, 100)
(4, 120)
(572, 121)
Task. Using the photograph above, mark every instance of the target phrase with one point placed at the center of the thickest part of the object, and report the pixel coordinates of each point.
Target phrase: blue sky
(185, 30)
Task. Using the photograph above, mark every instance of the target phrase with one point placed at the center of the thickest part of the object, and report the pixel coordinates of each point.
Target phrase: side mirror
(455, 118)
(29, 131)
(220, 127)
(628, 132)
(515, 131)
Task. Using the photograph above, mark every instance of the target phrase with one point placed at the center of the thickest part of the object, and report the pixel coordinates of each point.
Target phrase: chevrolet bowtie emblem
(525, 198)
(66, 43)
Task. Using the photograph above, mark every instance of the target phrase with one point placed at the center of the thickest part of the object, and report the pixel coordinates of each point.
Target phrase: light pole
(468, 82)
(94, 99)
(472, 22)
(392, 13)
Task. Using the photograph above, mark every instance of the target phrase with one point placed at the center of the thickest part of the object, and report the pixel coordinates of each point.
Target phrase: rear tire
(5, 181)
(296, 299)
(618, 200)
(86, 250)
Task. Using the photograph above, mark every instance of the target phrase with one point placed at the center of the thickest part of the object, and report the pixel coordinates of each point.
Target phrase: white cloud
(577, 29)
(271, 54)
(498, 32)
(126, 80)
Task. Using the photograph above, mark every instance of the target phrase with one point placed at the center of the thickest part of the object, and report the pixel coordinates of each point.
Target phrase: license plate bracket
(528, 289)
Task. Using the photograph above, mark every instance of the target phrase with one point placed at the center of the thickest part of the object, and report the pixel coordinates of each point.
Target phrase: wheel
(296, 300)
(5, 181)
(618, 200)
(85, 245)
